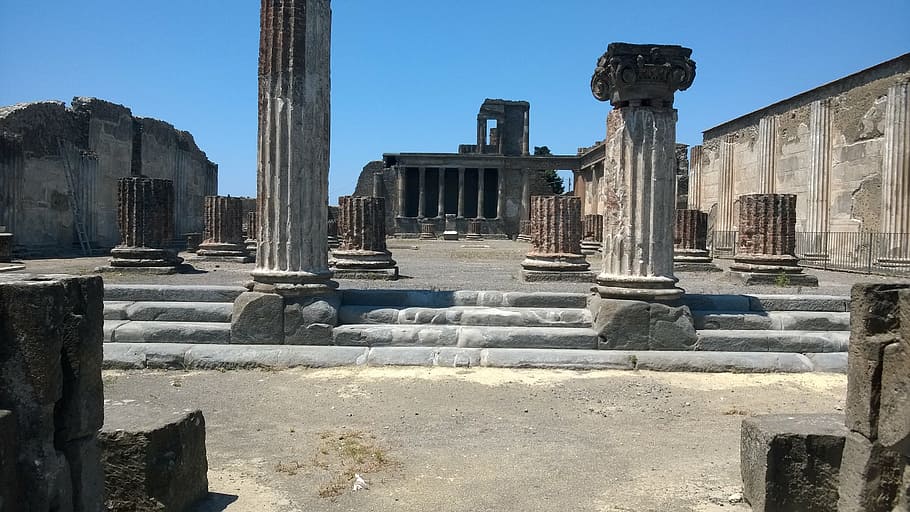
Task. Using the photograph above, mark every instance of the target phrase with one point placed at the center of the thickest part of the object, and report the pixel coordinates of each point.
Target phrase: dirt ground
(473, 439)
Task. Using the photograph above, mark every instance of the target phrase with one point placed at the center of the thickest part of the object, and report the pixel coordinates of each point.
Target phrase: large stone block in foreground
(50, 378)
(153, 460)
(790, 463)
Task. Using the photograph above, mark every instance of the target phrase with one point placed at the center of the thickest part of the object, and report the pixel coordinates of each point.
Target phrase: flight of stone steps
(817, 326)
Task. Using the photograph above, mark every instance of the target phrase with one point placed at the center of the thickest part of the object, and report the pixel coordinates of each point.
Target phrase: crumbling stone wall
(103, 142)
(852, 135)
(50, 381)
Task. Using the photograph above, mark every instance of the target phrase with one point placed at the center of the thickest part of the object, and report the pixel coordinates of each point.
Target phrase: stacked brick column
(524, 230)
(690, 242)
(146, 221)
(555, 241)
(766, 245)
(223, 230)
(592, 233)
(427, 230)
(363, 253)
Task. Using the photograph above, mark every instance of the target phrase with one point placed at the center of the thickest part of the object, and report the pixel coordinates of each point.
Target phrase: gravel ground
(473, 439)
(486, 265)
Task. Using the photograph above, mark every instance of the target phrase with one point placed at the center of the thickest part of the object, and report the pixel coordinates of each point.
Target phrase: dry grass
(344, 454)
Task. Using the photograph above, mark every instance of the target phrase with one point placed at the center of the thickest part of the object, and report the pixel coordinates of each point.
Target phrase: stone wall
(824, 145)
(102, 142)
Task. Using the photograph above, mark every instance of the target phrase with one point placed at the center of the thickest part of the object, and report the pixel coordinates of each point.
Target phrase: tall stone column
(690, 242)
(525, 194)
(377, 184)
(592, 234)
(526, 134)
(402, 192)
(556, 241)
(524, 231)
(293, 170)
(766, 248)
(500, 193)
(480, 192)
(252, 223)
(695, 177)
(145, 215)
(896, 177)
(475, 230)
(441, 200)
(363, 253)
(724, 221)
(819, 178)
(461, 192)
(223, 231)
(422, 192)
(767, 153)
(640, 81)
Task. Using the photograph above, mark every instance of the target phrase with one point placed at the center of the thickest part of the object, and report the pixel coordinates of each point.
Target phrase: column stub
(555, 253)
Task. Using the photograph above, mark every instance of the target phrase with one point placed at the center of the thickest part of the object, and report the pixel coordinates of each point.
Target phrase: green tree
(555, 182)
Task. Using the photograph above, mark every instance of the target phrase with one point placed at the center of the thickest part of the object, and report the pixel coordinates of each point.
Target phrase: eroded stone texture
(896, 176)
(146, 219)
(223, 230)
(427, 230)
(252, 231)
(475, 230)
(293, 170)
(9, 473)
(640, 82)
(555, 241)
(192, 241)
(592, 233)
(690, 242)
(638, 325)
(50, 378)
(767, 241)
(152, 462)
(363, 252)
(790, 463)
(524, 231)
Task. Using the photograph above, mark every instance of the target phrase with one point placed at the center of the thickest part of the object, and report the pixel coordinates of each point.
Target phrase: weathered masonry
(842, 148)
(59, 168)
(491, 180)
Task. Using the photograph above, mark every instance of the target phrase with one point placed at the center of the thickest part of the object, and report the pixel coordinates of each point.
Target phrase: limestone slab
(173, 293)
(172, 332)
(772, 341)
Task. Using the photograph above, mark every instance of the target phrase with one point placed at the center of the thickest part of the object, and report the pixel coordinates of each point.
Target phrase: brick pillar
(252, 232)
(427, 230)
(363, 253)
(145, 215)
(556, 241)
(524, 230)
(475, 230)
(223, 230)
(766, 245)
(50, 378)
(690, 242)
(592, 233)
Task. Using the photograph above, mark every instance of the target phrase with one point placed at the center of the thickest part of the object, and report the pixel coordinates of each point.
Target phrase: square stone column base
(778, 279)
(385, 274)
(686, 266)
(534, 276)
(644, 288)
(273, 319)
(223, 259)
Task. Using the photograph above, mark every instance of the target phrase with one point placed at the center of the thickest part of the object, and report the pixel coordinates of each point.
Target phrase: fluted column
(695, 171)
(363, 253)
(377, 184)
(461, 192)
(252, 231)
(767, 153)
(555, 241)
(145, 215)
(500, 193)
(293, 170)
(766, 241)
(640, 82)
(223, 234)
(818, 182)
(402, 192)
(524, 231)
(896, 176)
(475, 230)
(422, 192)
(480, 193)
(724, 223)
(441, 200)
(690, 242)
(525, 194)
(592, 234)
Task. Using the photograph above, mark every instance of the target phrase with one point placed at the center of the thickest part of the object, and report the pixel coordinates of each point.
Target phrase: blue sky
(409, 75)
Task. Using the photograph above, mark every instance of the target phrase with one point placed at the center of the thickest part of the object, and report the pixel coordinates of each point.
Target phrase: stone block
(86, 473)
(874, 322)
(637, 325)
(153, 460)
(258, 318)
(870, 476)
(671, 328)
(179, 311)
(310, 320)
(790, 463)
(894, 409)
(9, 478)
(717, 362)
(563, 359)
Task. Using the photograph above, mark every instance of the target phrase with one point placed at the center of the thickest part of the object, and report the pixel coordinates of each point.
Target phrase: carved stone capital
(642, 74)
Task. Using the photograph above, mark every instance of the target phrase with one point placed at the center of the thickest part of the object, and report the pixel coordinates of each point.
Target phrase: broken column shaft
(223, 230)
(252, 232)
(363, 253)
(690, 242)
(146, 221)
(640, 82)
(592, 233)
(556, 241)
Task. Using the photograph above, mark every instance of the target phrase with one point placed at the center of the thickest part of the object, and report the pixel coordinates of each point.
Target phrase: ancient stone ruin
(223, 236)
(690, 242)
(555, 253)
(592, 233)
(363, 253)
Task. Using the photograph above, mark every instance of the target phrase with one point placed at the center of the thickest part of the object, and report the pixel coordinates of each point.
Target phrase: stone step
(163, 311)
(171, 293)
(445, 299)
(773, 320)
(705, 302)
(745, 340)
(468, 315)
(373, 335)
(126, 331)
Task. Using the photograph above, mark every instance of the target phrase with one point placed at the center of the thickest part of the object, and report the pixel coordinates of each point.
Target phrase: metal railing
(868, 253)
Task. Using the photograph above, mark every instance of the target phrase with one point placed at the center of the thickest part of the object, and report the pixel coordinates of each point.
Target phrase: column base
(251, 245)
(819, 257)
(235, 253)
(555, 263)
(292, 284)
(647, 288)
(591, 247)
(383, 274)
(473, 236)
(143, 260)
(536, 276)
(523, 238)
(333, 242)
(693, 260)
(363, 265)
(773, 278)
